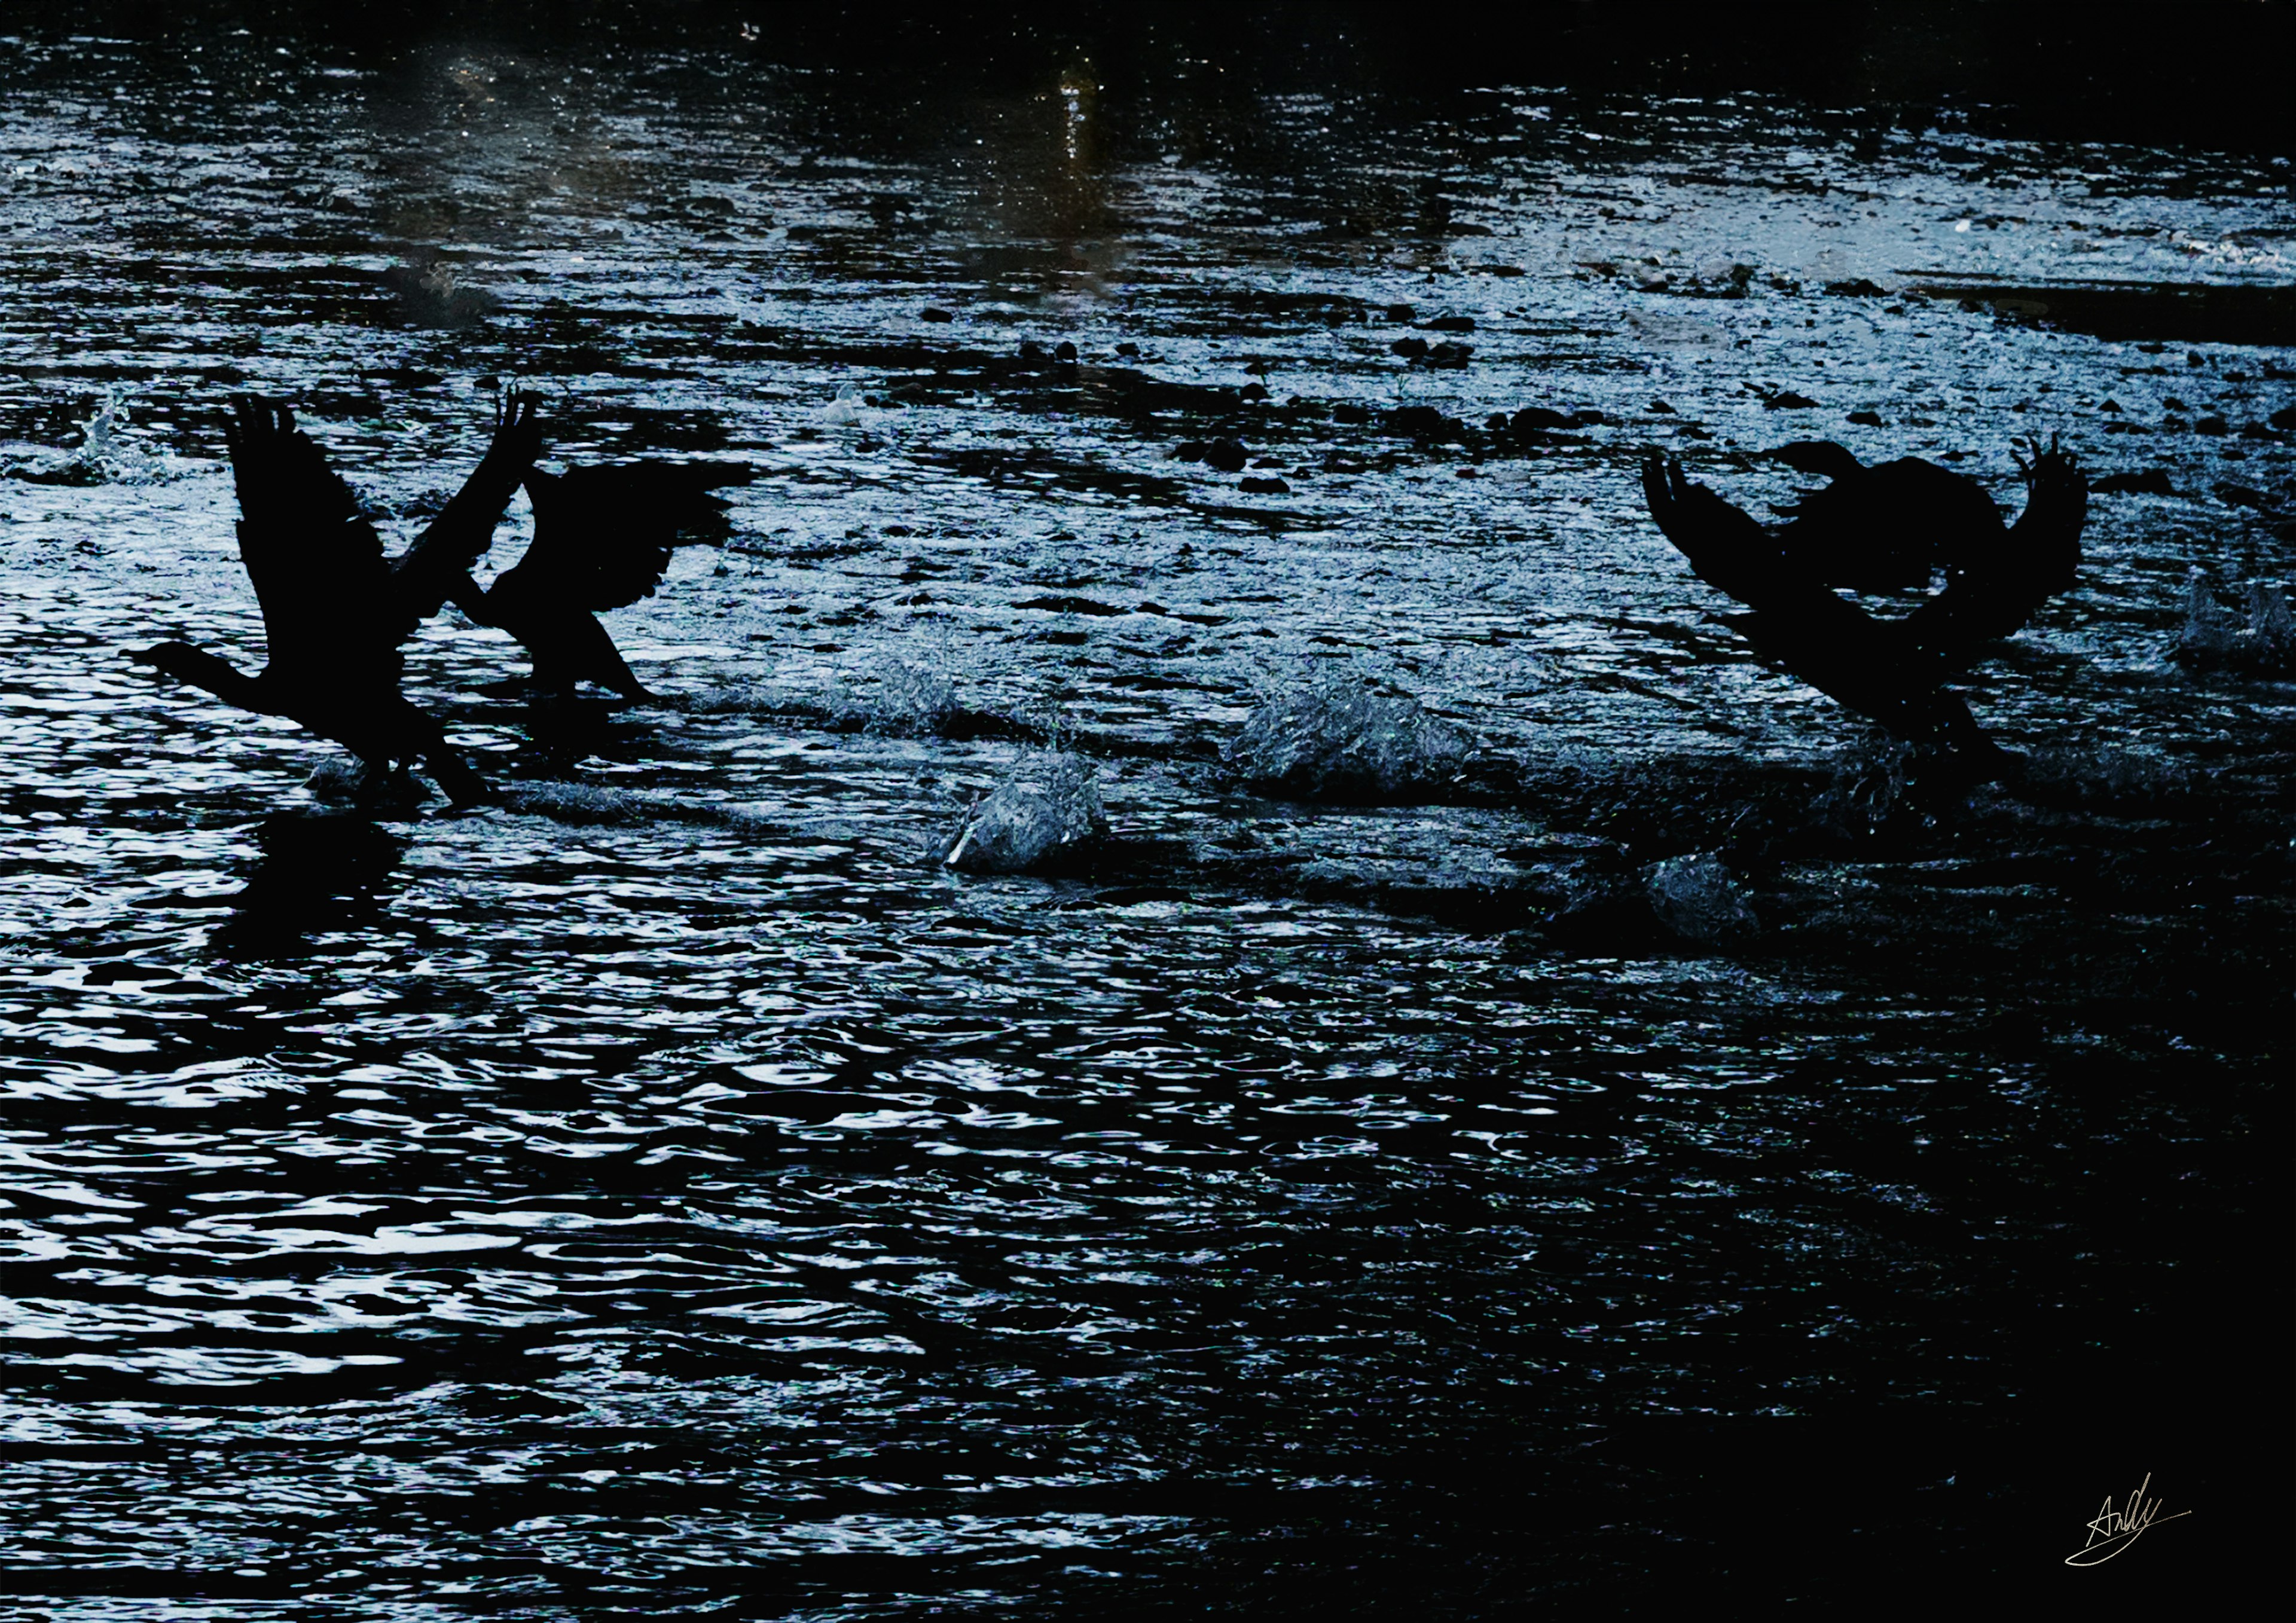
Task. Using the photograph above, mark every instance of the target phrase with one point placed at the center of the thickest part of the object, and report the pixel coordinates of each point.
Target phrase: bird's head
(172, 657)
(1821, 458)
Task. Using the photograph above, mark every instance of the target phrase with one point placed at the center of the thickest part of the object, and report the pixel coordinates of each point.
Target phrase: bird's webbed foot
(463, 786)
(386, 783)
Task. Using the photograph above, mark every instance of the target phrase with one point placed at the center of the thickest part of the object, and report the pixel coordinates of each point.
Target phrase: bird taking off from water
(1895, 524)
(1869, 526)
(603, 538)
(334, 609)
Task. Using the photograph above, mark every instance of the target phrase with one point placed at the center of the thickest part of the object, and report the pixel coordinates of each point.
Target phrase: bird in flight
(1894, 525)
(603, 538)
(335, 610)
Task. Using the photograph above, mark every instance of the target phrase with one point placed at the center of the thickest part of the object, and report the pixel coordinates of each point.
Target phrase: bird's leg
(1976, 758)
(622, 679)
(554, 675)
(463, 786)
(589, 652)
(382, 779)
(463, 593)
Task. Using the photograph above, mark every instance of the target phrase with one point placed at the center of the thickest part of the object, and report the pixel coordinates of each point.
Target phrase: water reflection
(318, 872)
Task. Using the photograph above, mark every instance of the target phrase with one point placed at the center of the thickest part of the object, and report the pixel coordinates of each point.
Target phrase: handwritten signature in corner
(2113, 1531)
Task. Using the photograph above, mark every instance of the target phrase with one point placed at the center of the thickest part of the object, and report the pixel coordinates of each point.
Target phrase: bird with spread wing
(603, 539)
(1894, 524)
(335, 610)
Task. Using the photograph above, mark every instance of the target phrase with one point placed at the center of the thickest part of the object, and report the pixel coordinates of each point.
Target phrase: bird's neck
(209, 672)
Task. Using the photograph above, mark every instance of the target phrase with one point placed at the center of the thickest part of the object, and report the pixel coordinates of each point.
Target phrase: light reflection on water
(670, 1187)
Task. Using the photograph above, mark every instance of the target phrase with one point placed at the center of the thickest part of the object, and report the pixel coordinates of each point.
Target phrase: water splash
(105, 455)
(850, 406)
(1340, 740)
(892, 699)
(1699, 899)
(2100, 775)
(1048, 803)
(435, 295)
(583, 805)
(740, 698)
(909, 701)
(2261, 642)
(1868, 788)
(347, 781)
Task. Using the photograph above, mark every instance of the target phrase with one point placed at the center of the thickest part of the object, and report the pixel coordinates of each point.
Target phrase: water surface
(671, 1190)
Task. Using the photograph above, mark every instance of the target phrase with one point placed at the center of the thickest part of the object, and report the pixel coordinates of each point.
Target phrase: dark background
(2194, 75)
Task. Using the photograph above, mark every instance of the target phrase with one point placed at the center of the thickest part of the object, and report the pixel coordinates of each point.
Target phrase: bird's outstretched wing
(602, 535)
(1991, 593)
(436, 565)
(1867, 664)
(1727, 548)
(315, 562)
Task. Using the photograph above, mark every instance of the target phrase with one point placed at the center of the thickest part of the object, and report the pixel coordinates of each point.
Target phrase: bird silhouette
(1879, 529)
(1872, 524)
(1894, 525)
(602, 538)
(335, 610)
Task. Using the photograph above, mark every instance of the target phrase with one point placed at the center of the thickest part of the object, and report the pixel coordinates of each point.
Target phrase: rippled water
(672, 1189)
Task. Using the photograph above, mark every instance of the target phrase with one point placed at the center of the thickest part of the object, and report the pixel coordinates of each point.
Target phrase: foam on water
(889, 699)
(1339, 739)
(2262, 641)
(1699, 899)
(582, 804)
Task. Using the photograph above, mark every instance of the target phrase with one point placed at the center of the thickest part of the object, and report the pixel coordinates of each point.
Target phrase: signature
(2113, 1531)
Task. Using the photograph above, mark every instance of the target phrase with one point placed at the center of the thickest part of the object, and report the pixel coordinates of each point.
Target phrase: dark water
(673, 1191)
